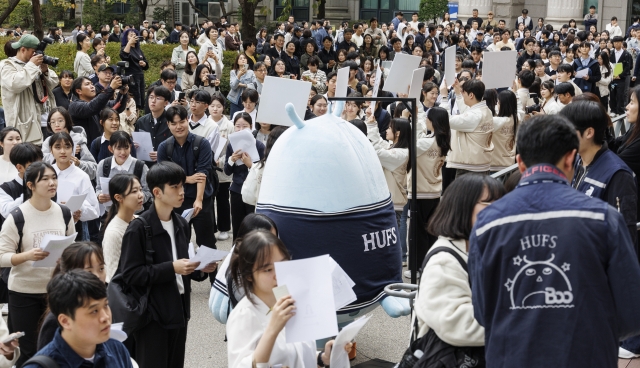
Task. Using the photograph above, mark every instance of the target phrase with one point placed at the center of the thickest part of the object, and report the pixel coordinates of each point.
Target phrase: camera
(53, 61)
(536, 104)
(126, 79)
(212, 77)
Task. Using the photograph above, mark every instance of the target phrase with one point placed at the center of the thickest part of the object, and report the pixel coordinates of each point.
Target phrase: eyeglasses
(158, 98)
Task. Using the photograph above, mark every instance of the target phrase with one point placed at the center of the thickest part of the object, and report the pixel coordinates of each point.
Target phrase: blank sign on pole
(276, 93)
(499, 69)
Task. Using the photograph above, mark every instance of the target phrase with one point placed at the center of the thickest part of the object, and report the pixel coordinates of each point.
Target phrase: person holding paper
(110, 122)
(223, 207)
(161, 343)
(621, 76)
(251, 185)
(198, 187)
(155, 122)
(27, 284)
(248, 343)
(587, 83)
(238, 164)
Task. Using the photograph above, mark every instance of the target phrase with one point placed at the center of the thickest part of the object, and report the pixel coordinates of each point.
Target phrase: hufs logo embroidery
(540, 284)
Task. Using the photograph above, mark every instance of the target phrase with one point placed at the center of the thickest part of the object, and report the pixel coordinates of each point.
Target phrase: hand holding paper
(54, 245)
(339, 357)
(207, 255)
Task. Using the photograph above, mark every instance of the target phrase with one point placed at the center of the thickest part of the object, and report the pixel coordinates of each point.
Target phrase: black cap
(106, 66)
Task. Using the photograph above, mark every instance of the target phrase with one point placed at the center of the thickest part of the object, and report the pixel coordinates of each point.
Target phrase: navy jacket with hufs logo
(554, 276)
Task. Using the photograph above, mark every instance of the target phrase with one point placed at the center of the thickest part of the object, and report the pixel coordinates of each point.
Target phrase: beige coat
(394, 165)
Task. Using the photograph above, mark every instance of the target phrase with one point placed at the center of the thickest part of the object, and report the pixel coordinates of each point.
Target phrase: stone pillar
(509, 10)
(560, 12)
(465, 8)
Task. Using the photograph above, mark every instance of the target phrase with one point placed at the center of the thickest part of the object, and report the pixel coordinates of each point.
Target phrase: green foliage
(51, 14)
(133, 16)
(286, 11)
(161, 14)
(155, 54)
(22, 14)
(95, 12)
(432, 9)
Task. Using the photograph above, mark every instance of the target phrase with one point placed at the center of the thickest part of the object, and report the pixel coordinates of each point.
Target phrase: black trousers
(25, 312)
(138, 90)
(426, 207)
(618, 95)
(239, 210)
(157, 347)
(448, 176)
(605, 102)
(223, 207)
(203, 224)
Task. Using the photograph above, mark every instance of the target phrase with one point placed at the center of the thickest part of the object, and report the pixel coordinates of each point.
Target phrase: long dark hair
(491, 98)
(440, 120)
(635, 133)
(509, 108)
(76, 256)
(3, 134)
(605, 63)
(402, 126)
(275, 133)
(196, 79)
(187, 68)
(33, 174)
(120, 184)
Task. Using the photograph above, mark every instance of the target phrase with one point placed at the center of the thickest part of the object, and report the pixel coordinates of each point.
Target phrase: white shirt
(358, 40)
(206, 128)
(125, 165)
(614, 30)
(245, 327)
(618, 54)
(7, 170)
(8, 204)
(254, 115)
(168, 226)
(79, 180)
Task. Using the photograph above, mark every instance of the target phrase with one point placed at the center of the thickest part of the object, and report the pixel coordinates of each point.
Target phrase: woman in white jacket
(82, 64)
(251, 186)
(179, 54)
(256, 326)
(211, 51)
(505, 126)
(607, 77)
(443, 302)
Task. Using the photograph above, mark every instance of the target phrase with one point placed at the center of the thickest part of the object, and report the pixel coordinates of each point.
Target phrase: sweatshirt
(24, 278)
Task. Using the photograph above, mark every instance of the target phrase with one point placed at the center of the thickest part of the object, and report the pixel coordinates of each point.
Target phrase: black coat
(86, 114)
(594, 76)
(159, 132)
(165, 304)
(62, 99)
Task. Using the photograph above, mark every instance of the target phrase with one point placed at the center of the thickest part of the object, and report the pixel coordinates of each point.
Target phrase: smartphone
(181, 96)
(11, 337)
(212, 77)
(245, 66)
(210, 49)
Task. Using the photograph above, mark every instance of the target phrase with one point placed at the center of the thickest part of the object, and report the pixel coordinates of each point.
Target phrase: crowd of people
(499, 263)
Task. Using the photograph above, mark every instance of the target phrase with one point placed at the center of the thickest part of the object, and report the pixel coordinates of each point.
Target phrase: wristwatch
(320, 362)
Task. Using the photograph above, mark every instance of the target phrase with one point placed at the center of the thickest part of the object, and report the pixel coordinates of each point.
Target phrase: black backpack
(137, 169)
(13, 189)
(43, 361)
(213, 175)
(437, 353)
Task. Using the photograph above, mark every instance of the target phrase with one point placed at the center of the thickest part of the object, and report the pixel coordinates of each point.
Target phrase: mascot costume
(325, 189)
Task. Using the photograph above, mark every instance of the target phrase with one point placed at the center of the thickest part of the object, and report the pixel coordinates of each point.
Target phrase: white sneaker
(407, 274)
(626, 354)
(223, 235)
(5, 309)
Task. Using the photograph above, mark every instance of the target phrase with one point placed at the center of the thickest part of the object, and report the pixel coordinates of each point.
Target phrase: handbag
(437, 353)
(128, 304)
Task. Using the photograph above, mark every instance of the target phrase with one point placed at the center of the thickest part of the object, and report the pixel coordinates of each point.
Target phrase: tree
(248, 10)
(432, 9)
(5, 14)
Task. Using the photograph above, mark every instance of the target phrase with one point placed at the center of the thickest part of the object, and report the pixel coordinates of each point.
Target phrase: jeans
(402, 228)
(233, 108)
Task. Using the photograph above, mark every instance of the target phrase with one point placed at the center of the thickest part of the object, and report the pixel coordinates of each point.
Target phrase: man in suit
(620, 83)
(278, 49)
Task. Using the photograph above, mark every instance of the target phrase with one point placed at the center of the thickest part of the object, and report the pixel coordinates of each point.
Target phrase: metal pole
(413, 228)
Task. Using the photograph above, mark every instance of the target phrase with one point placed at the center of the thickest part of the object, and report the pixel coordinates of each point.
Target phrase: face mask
(358, 62)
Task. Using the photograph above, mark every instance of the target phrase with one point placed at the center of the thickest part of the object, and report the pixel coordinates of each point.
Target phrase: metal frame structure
(411, 104)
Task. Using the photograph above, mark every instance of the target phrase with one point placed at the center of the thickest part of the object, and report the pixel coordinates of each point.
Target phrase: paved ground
(382, 337)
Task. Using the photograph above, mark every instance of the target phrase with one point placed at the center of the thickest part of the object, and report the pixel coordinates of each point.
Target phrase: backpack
(13, 189)
(43, 361)
(18, 219)
(213, 175)
(437, 353)
(106, 168)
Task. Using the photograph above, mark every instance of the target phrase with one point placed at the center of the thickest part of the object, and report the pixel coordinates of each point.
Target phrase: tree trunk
(321, 8)
(37, 19)
(248, 17)
(7, 12)
(142, 8)
(72, 11)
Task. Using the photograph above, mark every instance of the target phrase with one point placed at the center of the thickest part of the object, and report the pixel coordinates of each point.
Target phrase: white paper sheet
(342, 82)
(581, 73)
(221, 145)
(104, 187)
(55, 245)
(309, 281)
(75, 202)
(192, 251)
(339, 357)
(343, 293)
(116, 332)
(276, 94)
(145, 145)
(65, 190)
(416, 84)
(245, 141)
(376, 83)
(399, 80)
(187, 214)
(450, 65)
(499, 69)
(386, 64)
(207, 256)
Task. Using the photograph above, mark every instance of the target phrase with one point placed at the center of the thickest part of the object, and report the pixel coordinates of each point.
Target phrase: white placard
(145, 145)
(207, 256)
(499, 69)
(339, 357)
(309, 282)
(399, 80)
(416, 83)
(104, 187)
(342, 82)
(450, 65)
(74, 203)
(376, 83)
(55, 245)
(276, 94)
(221, 145)
(245, 141)
(386, 64)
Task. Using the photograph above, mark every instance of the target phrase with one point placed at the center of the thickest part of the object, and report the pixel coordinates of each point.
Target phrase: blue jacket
(319, 36)
(110, 354)
(555, 279)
